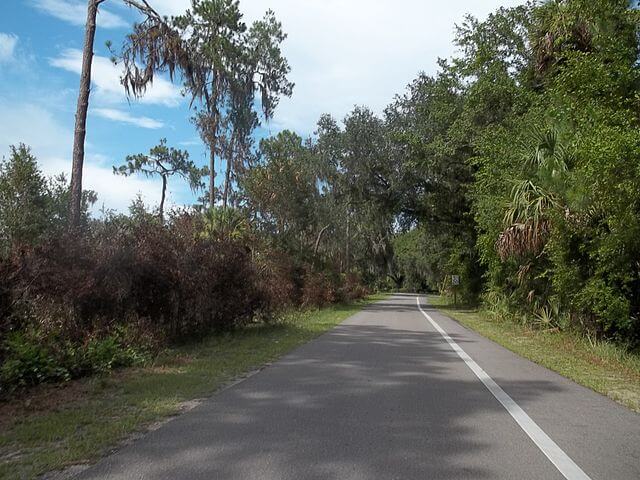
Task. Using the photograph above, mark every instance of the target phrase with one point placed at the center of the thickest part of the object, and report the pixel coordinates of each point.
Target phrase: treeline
(525, 153)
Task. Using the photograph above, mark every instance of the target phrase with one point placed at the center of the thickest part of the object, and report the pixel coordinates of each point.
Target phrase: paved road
(384, 396)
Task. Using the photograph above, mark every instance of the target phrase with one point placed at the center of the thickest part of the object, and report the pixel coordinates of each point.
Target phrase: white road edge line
(553, 452)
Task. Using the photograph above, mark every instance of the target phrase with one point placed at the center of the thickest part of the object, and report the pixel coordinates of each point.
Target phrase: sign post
(455, 281)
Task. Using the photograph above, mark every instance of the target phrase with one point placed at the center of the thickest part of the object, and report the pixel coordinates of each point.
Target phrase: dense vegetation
(515, 167)
(527, 147)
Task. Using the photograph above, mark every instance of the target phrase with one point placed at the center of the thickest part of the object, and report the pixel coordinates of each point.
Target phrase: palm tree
(527, 221)
(225, 223)
(561, 26)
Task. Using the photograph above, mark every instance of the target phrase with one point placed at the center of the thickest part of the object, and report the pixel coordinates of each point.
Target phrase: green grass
(57, 427)
(602, 366)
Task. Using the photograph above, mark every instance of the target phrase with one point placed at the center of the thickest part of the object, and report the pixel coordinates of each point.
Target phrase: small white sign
(455, 279)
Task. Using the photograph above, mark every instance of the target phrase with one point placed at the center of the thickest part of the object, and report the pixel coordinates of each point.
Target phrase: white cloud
(106, 77)
(172, 7)
(75, 13)
(341, 53)
(34, 126)
(51, 144)
(359, 51)
(8, 43)
(191, 143)
(126, 117)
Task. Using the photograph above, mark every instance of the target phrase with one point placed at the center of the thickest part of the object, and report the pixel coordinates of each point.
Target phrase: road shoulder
(603, 367)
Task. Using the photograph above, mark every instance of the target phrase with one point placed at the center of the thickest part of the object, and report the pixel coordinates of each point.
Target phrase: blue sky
(342, 53)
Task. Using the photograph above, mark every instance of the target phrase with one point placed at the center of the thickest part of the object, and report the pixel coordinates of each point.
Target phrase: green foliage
(35, 356)
(105, 354)
(226, 223)
(428, 130)
(561, 246)
(410, 260)
(28, 362)
(419, 257)
(24, 199)
(360, 192)
(162, 161)
(282, 191)
(515, 167)
(228, 70)
(605, 304)
(32, 205)
(76, 305)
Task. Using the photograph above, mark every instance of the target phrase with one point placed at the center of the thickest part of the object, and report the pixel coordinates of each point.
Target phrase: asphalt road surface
(392, 394)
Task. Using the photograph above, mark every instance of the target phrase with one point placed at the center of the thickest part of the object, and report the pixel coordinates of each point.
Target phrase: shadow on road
(361, 402)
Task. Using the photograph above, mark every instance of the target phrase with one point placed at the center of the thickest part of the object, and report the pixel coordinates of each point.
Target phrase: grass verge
(601, 366)
(55, 427)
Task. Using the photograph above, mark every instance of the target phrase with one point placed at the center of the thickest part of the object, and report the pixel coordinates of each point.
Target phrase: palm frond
(521, 239)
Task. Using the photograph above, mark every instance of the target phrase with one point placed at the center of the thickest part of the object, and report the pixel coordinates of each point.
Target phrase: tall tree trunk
(347, 259)
(212, 173)
(212, 161)
(211, 102)
(164, 193)
(80, 131)
(318, 238)
(226, 184)
(227, 177)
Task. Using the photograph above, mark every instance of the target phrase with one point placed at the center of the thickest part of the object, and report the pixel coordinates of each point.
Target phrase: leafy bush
(610, 309)
(26, 361)
(318, 290)
(352, 288)
(35, 356)
(78, 305)
(184, 283)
